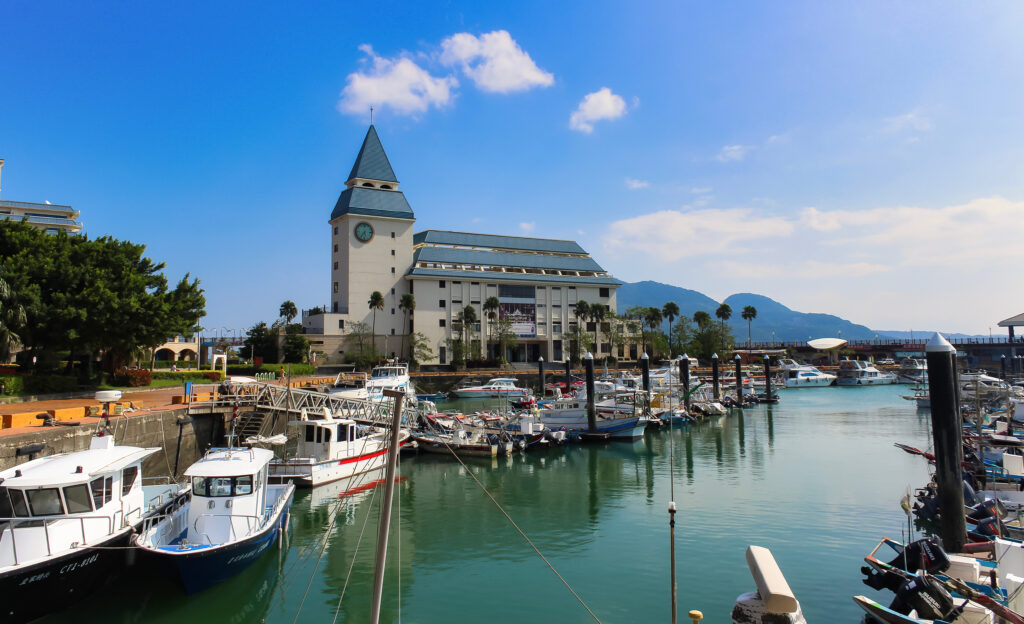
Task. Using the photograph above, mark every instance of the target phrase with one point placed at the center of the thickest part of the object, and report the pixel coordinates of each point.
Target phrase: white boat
(913, 371)
(392, 376)
(796, 375)
(616, 415)
(499, 387)
(859, 373)
(233, 516)
(330, 449)
(66, 521)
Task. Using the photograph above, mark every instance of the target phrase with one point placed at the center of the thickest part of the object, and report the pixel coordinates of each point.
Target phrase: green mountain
(772, 316)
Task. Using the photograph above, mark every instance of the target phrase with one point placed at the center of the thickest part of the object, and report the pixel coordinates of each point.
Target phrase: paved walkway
(152, 401)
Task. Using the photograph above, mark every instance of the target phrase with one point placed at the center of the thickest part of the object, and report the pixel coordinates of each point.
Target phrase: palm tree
(724, 313)
(652, 316)
(701, 318)
(670, 311)
(375, 303)
(469, 318)
(491, 307)
(749, 314)
(12, 319)
(598, 313)
(288, 311)
(406, 304)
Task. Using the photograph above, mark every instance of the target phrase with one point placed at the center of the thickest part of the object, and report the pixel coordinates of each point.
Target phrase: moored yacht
(499, 387)
(232, 518)
(859, 373)
(330, 449)
(65, 523)
(392, 376)
(913, 371)
(796, 375)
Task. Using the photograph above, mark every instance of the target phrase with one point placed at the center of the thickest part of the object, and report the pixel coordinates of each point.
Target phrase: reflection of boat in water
(350, 489)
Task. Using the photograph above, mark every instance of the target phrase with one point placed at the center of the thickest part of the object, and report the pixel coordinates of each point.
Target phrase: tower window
(335, 266)
(367, 185)
(386, 186)
(335, 230)
(441, 303)
(335, 286)
(335, 248)
(334, 308)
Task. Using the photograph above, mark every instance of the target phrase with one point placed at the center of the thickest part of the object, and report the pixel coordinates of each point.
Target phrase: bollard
(714, 375)
(588, 363)
(739, 379)
(540, 365)
(568, 376)
(696, 616)
(947, 436)
(684, 378)
(768, 377)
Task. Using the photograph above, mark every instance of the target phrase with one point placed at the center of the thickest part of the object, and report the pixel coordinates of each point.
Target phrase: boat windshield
(212, 487)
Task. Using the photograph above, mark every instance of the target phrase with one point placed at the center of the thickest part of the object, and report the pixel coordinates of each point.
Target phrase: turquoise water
(815, 478)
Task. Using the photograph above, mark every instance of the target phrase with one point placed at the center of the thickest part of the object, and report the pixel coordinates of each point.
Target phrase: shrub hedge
(298, 370)
(183, 376)
(132, 377)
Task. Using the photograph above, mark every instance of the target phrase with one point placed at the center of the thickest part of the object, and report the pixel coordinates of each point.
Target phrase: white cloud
(669, 235)
(601, 104)
(913, 120)
(733, 153)
(528, 226)
(397, 83)
(634, 184)
(494, 62)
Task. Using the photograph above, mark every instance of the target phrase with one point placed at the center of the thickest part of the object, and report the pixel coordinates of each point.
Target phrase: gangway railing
(272, 397)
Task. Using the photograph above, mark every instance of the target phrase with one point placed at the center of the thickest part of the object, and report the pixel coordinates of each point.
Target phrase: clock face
(364, 232)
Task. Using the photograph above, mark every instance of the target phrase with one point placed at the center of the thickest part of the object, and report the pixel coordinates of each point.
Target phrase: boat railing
(22, 526)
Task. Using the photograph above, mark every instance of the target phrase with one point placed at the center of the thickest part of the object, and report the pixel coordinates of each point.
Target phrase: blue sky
(864, 159)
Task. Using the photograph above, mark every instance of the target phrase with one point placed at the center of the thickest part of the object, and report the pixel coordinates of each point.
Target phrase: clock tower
(371, 244)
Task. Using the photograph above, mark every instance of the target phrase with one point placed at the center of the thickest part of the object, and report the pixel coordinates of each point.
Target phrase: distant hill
(771, 315)
(926, 334)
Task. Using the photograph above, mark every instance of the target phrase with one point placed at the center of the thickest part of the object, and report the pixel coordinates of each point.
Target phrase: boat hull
(811, 382)
(490, 394)
(37, 589)
(205, 566)
(870, 381)
(629, 428)
(309, 475)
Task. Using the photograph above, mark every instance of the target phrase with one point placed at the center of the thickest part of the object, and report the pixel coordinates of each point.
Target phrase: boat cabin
(326, 439)
(52, 504)
(229, 495)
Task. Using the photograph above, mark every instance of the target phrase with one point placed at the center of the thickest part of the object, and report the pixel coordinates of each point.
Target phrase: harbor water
(814, 478)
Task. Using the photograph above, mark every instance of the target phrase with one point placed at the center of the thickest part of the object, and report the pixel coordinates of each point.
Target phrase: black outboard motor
(928, 597)
(990, 508)
(924, 554)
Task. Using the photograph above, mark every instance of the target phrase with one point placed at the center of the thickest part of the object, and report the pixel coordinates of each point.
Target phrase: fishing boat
(499, 387)
(233, 516)
(462, 442)
(329, 449)
(66, 521)
(921, 397)
(913, 371)
(858, 373)
(618, 420)
(796, 375)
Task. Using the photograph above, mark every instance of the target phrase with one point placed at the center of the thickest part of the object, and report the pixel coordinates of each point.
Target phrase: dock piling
(739, 379)
(947, 435)
(714, 376)
(645, 374)
(568, 376)
(588, 363)
(540, 371)
(684, 379)
(768, 377)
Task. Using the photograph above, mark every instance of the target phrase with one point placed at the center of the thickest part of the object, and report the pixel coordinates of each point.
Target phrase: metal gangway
(296, 402)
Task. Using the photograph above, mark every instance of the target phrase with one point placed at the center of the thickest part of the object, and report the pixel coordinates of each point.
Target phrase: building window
(392, 310)
(556, 328)
(441, 283)
(440, 323)
(335, 266)
(572, 288)
(477, 302)
(392, 235)
(335, 248)
(455, 283)
(474, 283)
(335, 230)
(341, 323)
(392, 270)
(335, 286)
(441, 303)
(442, 355)
(410, 326)
(392, 291)
(392, 331)
(334, 307)
(392, 252)
(603, 292)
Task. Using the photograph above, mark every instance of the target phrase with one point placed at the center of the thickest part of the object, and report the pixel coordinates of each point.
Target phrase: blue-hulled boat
(233, 516)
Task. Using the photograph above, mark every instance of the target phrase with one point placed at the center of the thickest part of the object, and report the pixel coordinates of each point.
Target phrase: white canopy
(824, 344)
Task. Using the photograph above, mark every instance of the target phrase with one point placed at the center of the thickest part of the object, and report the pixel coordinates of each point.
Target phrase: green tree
(749, 314)
(288, 311)
(616, 335)
(467, 318)
(670, 311)
(406, 304)
(635, 316)
(681, 332)
(360, 347)
(504, 338)
(375, 303)
(420, 347)
(491, 307)
(724, 313)
(598, 313)
(652, 318)
(582, 311)
(296, 345)
(260, 342)
(579, 341)
(12, 318)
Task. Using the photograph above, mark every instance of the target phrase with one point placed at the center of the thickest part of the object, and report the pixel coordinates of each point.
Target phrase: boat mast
(385, 516)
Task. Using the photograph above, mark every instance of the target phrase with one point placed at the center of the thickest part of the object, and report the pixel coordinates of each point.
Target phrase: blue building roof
(513, 277)
(372, 163)
(372, 202)
(495, 241)
(447, 255)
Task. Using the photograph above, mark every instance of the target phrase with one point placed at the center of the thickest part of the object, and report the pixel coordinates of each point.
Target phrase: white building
(50, 218)
(537, 281)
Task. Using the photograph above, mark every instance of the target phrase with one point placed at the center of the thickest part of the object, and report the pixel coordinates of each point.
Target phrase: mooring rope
(521, 532)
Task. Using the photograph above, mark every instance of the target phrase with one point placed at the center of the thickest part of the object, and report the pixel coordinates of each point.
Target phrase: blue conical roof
(372, 163)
